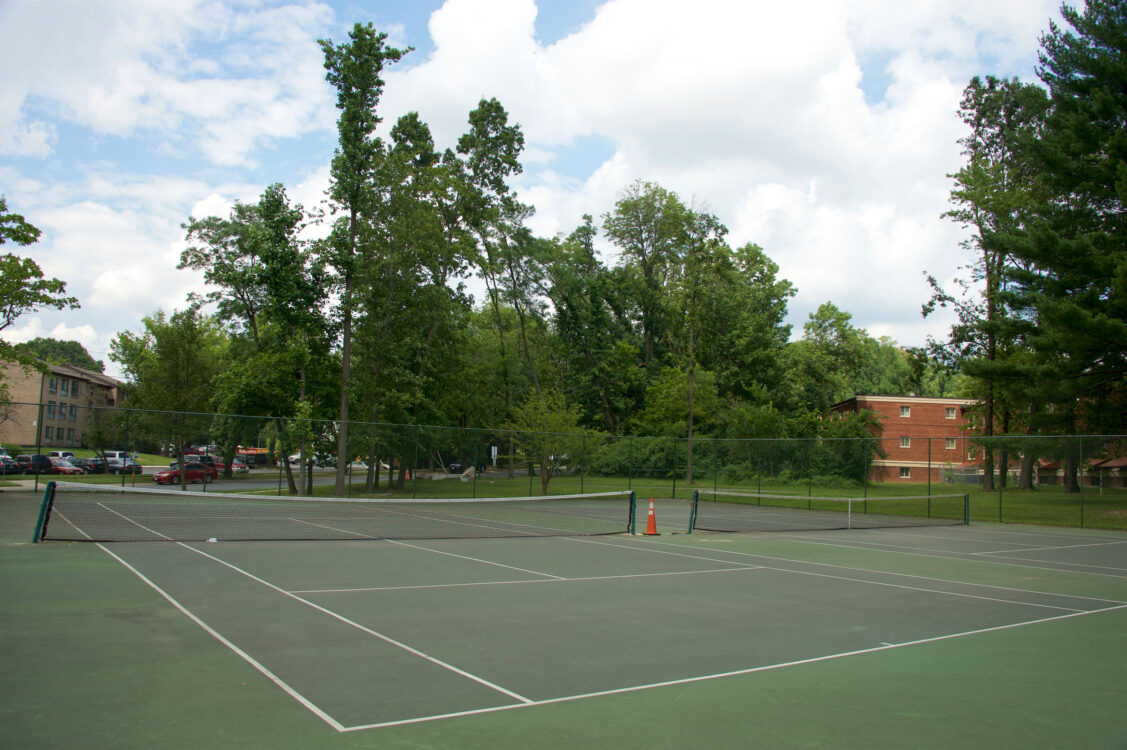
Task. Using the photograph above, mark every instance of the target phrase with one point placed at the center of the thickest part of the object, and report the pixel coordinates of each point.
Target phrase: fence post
(630, 463)
(415, 463)
(929, 476)
(582, 463)
(1080, 470)
(759, 466)
(809, 471)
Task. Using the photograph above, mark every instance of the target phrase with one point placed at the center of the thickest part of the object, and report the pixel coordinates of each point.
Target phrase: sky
(823, 131)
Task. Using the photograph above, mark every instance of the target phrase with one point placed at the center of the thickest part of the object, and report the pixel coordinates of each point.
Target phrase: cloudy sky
(822, 130)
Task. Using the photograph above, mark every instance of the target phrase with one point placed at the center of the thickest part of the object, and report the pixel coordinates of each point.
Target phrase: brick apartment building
(66, 394)
(917, 434)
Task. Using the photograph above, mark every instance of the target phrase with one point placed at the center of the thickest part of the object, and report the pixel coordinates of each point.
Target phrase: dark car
(128, 466)
(8, 465)
(62, 466)
(34, 463)
(90, 465)
(193, 472)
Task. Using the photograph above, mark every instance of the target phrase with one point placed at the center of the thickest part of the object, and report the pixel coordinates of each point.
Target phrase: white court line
(527, 702)
(238, 651)
(476, 559)
(425, 549)
(334, 615)
(877, 546)
(733, 673)
(341, 618)
(861, 570)
(530, 580)
(964, 556)
(907, 587)
(1044, 549)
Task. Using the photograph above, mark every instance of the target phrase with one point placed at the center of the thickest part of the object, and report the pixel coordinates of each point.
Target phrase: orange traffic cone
(651, 522)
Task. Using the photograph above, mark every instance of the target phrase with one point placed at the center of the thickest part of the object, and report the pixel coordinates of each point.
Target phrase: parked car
(8, 465)
(68, 455)
(62, 466)
(90, 465)
(33, 463)
(193, 472)
(239, 466)
(120, 455)
(128, 466)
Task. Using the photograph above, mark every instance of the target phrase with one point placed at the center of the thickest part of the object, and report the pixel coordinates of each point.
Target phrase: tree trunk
(1028, 461)
(1070, 481)
(345, 379)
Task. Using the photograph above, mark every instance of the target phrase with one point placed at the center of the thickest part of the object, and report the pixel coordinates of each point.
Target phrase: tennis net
(725, 510)
(105, 513)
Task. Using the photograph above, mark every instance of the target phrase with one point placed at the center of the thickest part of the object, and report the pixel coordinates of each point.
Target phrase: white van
(68, 455)
(120, 455)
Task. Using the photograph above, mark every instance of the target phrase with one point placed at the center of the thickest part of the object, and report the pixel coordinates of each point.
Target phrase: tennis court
(929, 636)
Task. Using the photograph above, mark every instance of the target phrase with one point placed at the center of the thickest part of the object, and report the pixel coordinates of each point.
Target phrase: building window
(52, 385)
(905, 472)
(905, 411)
(950, 445)
(73, 413)
(70, 437)
(905, 442)
(950, 412)
(50, 410)
(49, 433)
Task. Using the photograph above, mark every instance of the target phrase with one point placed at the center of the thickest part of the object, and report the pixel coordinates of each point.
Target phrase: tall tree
(991, 195)
(491, 150)
(648, 225)
(269, 293)
(354, 70)
(1072, 277)
(597, 348)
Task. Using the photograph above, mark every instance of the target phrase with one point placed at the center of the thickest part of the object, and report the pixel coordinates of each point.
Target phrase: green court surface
(956, 636)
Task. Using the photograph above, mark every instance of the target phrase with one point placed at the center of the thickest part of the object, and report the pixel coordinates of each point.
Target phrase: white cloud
(767, 113)
(125, 68)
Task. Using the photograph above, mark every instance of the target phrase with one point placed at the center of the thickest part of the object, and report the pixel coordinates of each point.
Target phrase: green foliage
(171, 367)
(23, 288)
(546, 430)
(61, 352)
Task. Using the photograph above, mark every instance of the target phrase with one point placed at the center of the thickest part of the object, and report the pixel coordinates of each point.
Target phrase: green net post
(633, 511)
(693, 510)
(966, 509)
(44, 511)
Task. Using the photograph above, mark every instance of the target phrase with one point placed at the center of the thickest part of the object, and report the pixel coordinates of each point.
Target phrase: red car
(193, 472)
(62, 466)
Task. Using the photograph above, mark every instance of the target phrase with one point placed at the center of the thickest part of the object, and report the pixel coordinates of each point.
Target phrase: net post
(44, 512)
(633, 509)
(966, 509)
(693, 510)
